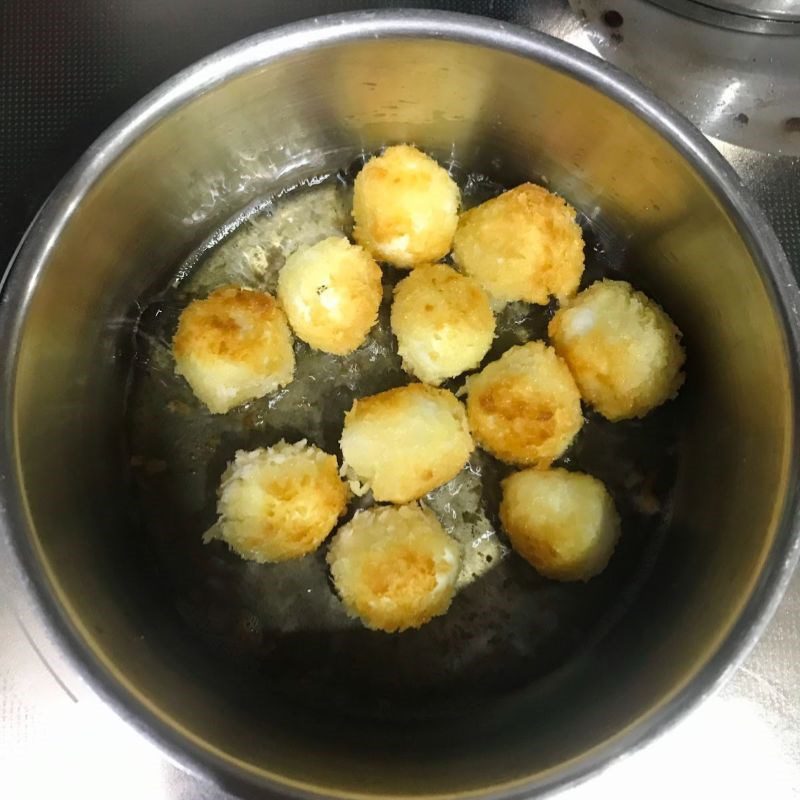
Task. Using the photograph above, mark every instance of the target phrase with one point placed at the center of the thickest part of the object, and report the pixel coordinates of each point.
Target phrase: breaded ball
(394, 568)
(525, 408)
(405, 207)
(405, 442)
(563, 523)
(232, 347)
(330, 293)
(280, 502)
(443, 323)
(622, 348)
(522, 245)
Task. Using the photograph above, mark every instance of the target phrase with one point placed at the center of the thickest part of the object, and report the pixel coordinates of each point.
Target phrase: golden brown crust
(233, 346)
(405, 207)
(280, 503)
(394, 567)
(443, 322)
(563, 523)
(331, 292)
(406, 441)
(219, 326)
(622, 348)
(525, 407)
(522, 245)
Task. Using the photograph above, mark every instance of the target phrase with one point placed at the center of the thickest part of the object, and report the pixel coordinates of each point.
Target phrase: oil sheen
(506, 627)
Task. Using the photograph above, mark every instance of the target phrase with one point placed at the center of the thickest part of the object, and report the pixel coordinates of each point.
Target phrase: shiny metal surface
(740, 86)
(723, 565)
(742, 742)
(724, 15)
(769, 9)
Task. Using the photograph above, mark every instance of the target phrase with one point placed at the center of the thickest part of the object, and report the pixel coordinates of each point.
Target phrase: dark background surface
(68, 68)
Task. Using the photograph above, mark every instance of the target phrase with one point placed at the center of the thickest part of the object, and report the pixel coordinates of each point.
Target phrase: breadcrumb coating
(405, 207)
(622, 348)
(331, 292)
(233, 346)
(563, 523)
(522, 245)
(395, 568)
(443, 323)
(280, 502)
(525, 408)
(404, 442)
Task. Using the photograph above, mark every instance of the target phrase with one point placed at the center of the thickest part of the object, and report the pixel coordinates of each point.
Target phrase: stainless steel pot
(301, 101)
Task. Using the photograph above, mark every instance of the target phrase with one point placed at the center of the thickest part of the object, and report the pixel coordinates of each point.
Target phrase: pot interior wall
(307, 114)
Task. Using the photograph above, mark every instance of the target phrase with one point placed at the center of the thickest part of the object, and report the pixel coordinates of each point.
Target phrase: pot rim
(21, 277)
